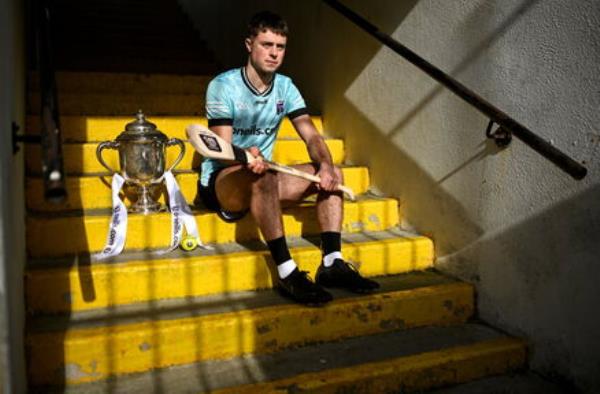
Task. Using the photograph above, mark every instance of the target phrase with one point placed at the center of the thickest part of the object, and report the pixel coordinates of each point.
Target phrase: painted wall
(526, 234)
(12, 215)
(507, 220)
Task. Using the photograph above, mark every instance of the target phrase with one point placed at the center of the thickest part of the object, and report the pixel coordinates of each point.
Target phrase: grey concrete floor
(523, 383)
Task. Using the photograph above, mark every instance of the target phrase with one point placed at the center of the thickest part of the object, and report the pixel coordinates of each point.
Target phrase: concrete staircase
(209, 321)
(199, 321)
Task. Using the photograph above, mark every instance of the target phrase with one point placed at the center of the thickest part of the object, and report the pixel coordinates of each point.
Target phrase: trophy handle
(176, 141)
(103, 145)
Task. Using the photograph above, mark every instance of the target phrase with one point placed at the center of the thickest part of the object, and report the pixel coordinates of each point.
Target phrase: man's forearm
(318, 151)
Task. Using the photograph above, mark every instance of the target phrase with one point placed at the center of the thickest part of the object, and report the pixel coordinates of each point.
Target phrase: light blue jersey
(255, 117)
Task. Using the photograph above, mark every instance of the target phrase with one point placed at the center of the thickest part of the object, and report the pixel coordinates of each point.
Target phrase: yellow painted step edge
(95, 192)
(81, 158)
(80, 288)
(48, 237)
(102, 128)
(96, 353)
(404, 374)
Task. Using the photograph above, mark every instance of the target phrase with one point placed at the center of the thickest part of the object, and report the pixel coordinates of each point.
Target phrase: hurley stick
(210, 145)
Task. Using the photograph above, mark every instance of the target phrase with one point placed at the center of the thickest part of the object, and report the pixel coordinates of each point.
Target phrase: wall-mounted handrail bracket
(25, 138)
(501, 136)
(15, 137)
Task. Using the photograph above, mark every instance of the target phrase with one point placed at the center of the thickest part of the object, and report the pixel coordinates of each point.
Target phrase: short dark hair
(267, 20)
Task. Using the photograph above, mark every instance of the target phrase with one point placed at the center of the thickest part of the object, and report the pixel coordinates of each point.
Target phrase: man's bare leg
(333, 271)
(330, 206)
(239, 189)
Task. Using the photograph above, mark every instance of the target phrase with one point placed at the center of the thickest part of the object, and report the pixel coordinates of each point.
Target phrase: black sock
(331, 241)
(279, 250)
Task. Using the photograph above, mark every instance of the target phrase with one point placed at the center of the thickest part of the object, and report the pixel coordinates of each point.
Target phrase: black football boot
(299, 287)
(345, 276)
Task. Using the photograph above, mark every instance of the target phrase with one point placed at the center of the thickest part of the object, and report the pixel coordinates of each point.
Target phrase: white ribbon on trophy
(181, 217)
(117, 230)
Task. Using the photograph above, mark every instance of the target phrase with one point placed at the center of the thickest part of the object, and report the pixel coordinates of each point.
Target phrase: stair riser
(90, 128)
(115, 46)
(406, 374)
(52, 237)
(81, 158)
(93, 354)
(95, 192)
(130, 63)
(107, 285)
(107, 83)
(123, 104)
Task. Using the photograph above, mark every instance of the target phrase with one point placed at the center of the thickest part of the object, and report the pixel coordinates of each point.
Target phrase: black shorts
(208, 194)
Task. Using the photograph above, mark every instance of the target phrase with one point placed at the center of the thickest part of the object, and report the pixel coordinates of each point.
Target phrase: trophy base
(146, 209)
(145, 204)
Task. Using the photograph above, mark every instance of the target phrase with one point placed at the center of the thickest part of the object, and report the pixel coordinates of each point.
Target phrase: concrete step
(126, 56)
(123, 103)
(514, 383)
(94, 192)
(472, 353)
(76, 284)
(88, 347)
(80, 158)
(106, 62)
(105, 31)
(396, 362)
(146, 50)
(51, 235)
(102, 128)
(121, 10)
(181, 45)
(108, 83)
(105, 22)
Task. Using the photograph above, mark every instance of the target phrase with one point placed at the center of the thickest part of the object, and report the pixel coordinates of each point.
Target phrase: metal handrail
(51, 141)
(506, 123)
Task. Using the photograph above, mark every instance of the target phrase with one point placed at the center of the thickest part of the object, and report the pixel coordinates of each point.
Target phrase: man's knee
(266, 183)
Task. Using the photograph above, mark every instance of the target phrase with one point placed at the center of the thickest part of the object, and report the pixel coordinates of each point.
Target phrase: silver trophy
(142, 151)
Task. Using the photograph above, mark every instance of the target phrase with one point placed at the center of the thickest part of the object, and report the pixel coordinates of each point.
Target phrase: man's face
(266, 51)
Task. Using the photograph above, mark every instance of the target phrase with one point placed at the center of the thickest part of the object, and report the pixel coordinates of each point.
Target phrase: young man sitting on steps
(245, 106)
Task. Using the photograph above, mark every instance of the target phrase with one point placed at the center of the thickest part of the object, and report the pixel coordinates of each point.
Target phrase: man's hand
(329, 179)
(257, 166)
